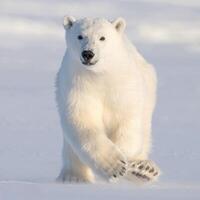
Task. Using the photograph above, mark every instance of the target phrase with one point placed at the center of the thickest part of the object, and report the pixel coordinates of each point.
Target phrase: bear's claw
(144, 170)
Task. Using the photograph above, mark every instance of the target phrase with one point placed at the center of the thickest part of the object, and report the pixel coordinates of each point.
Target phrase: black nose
(87, 55)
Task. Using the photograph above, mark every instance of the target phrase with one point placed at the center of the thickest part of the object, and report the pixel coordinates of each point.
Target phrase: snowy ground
(167, 32)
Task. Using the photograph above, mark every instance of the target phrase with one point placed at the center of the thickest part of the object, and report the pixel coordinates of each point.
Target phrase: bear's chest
(118, 106)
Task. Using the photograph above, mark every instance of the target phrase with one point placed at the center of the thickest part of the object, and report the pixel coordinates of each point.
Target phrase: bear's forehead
(87, 24)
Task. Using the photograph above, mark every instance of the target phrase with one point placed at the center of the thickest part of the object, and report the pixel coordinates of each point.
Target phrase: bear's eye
(80, 37)
(102, 38)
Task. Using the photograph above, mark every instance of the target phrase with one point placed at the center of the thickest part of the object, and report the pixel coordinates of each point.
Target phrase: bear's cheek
(74, 45)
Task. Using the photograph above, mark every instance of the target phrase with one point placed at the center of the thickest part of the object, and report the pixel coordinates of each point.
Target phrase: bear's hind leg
(73, 169)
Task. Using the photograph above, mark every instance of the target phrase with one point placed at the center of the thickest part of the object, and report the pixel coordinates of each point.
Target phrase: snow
(33, 191)
(32, 45)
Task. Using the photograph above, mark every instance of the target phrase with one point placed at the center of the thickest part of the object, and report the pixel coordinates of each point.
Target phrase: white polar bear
(105, 95)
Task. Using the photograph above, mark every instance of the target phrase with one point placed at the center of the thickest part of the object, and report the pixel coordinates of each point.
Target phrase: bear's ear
(119, 24)
(68, 21)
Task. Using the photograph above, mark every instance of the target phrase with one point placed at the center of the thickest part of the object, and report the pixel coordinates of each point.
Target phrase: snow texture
(167, 33)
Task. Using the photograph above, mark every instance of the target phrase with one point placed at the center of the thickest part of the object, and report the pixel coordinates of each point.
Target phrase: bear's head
(93, 42)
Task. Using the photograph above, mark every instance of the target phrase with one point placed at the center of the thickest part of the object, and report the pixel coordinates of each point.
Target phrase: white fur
(105, 109)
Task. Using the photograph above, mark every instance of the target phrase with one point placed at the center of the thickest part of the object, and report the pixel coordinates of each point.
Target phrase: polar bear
(105, 94)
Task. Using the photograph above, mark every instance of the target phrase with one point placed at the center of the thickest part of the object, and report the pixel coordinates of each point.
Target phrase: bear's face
(93, 41)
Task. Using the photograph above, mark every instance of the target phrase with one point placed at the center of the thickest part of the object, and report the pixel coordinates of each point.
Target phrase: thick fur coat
(105, 103)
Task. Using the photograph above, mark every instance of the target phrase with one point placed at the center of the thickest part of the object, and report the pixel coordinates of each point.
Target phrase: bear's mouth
(89, 63)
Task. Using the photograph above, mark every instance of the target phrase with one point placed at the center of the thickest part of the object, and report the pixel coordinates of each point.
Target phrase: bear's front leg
(143, 171)
(96, 150)
(130, 139)
(73, 169)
